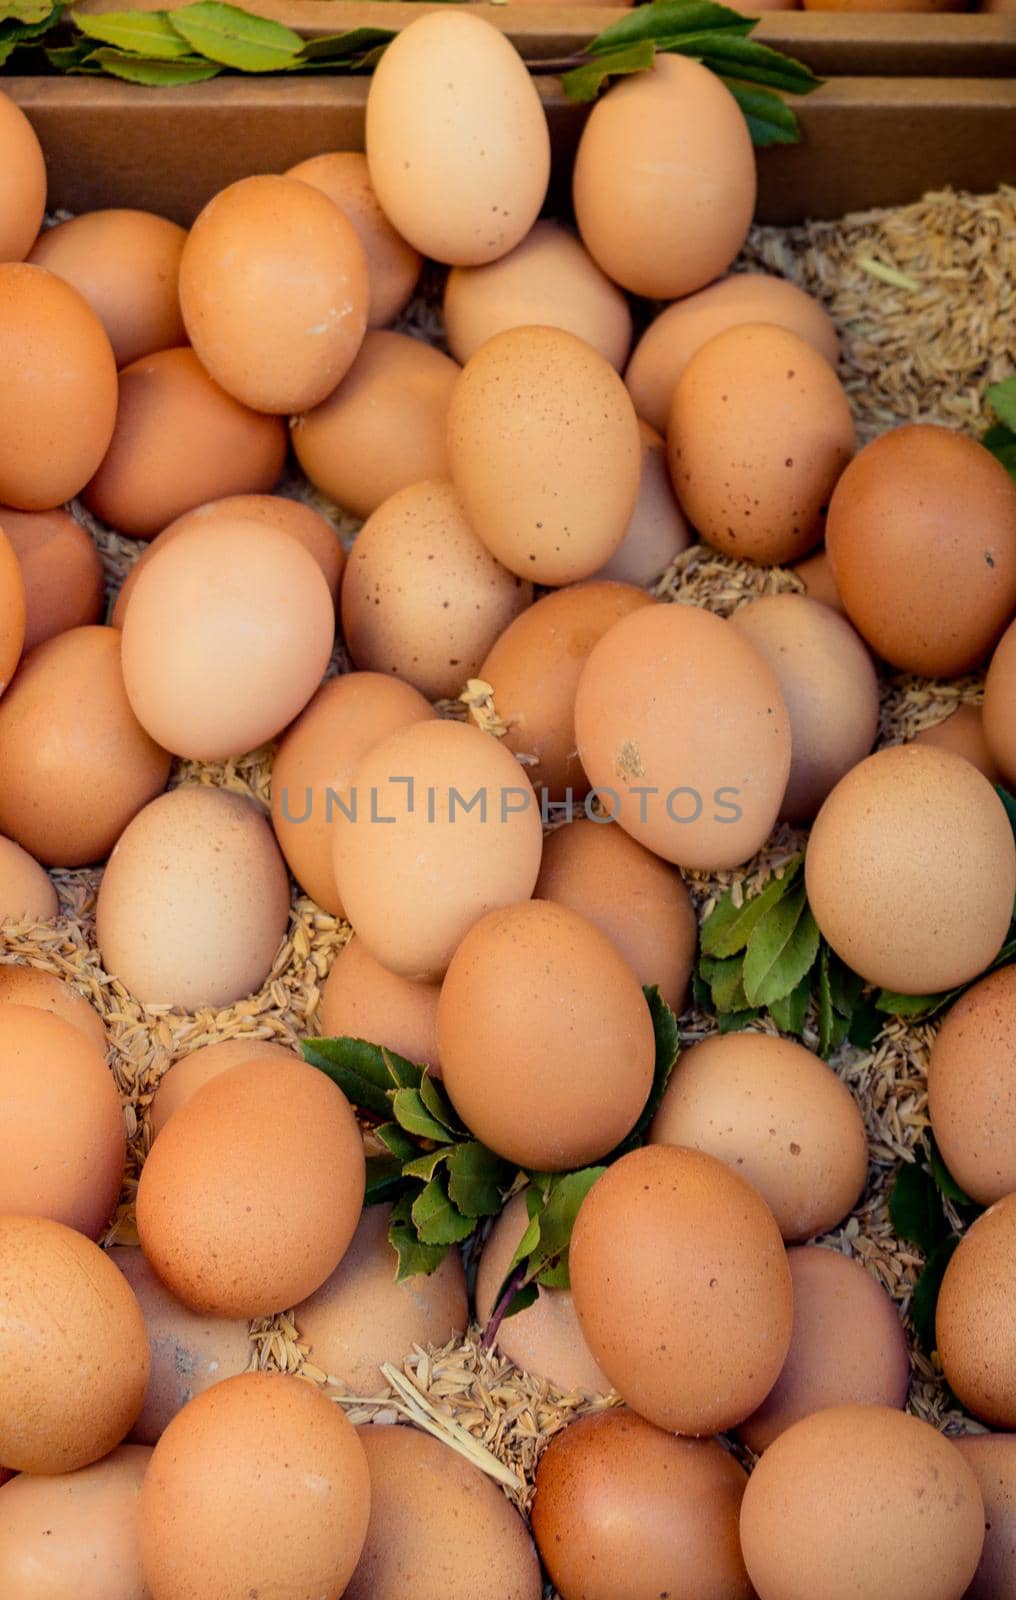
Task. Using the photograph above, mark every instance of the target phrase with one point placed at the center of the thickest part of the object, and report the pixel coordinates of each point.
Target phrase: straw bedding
(924, 299)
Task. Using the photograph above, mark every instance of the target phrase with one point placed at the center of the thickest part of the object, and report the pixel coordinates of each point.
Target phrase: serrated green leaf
(67, 58)
(521, 1301)
(234, 38)
(1001, 397)
(152, 71)
(425, 1166)
(402, 1073)
(530, 1239)
(747, 61)
(558, 1215)
(7, 48)
(143, 33)
(824, 999)
(16, 30)
(357, 1067)
(412, 1114)
(476, 1179)
(669, 19)
(414, 1257)
(728, 928)
(944, 1180)
(844, 986)
(436, 1102)
(436, 1219)
(782, 948)
(396, 1140)
(735, 1021)
(911, 1006)
(770, 120)
(915, 1208)
(29, 12)
(384, 1179)
(556, 1276)
(701, 994)
(668, 1045)
(328, 47)
(1001, 441)
(866, 1023)
(584, 83)
(924, 1300)
(789, 1012)
(726, 980)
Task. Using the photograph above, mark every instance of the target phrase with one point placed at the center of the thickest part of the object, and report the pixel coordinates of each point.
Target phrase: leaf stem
(500, 1311)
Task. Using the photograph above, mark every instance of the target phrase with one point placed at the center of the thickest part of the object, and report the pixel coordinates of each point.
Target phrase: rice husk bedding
(924, 299)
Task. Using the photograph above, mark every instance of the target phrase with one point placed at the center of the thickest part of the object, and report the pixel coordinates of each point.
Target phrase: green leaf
(924, 1300)
(415, 1257)
(944, 1180)
(16, 30)
(866, 1024)
(142, 33)
(726, 981)
(71, 57)
(412, 1114)
(911, 1006)
(781, 950)
(669, 19)
(153, 71)
(789, 1012)
(436, 1102)
(436, 1219)
(29, 12)
(1001, 397)
(425, 1166)
(701, 994)
(915, 1208)
(357, 1067)
(476, 1179)
(521, 1300)
(402, 1073)
(584, 83)
(235, 38)
(770, 120)
(734, 1021)
(328, 47)
(844, 986)
(667, 1047)
(1010, 805)
(728, 928)
(1001, 441)
(396, 1140)
(558, 1216)
(384, 1179)
(824, 997)
(747, 61)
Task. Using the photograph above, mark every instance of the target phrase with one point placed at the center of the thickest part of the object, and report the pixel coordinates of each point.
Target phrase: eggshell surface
(992, 1458)
(22, 985)
(12, 611)
(658, 530)
(61, 570)
(973, 1319)
(1000, 705)
(816, 573)
(962, 731)
(972, 1088)
(26, 889)
(186, 1076)
(22, 184)
(362, 1000)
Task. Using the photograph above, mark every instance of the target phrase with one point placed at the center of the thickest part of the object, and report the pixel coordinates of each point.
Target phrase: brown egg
(854, 1467)
(884, 5)
(922, 537)
(393, 266)
(847, 1347)
(684, 734)
(126, 265)
(26, 889)
(188, 1353)
(362, 1000)
(76, 1533)
(570, 452)
(307, 526)
(22, 182)
(547, 281)
(780, 1116)
(545, 1340)
(258, 1487)
(636, 899)
(972, 1088)
(184, 1077)
(657, 532)
(75, 763)
(911, 870)
(361, 1318)
(816, 573)
(383, 428)
(314, 765)
(439, 1524)
(682, 1288)
(22, 985)
(63, 1130)
(73, 1349)
(221, 1238)
(59, 396)
(534, 669)
(61, 570)
(466, 839)
(274, 292)
(999, 699)
(545, 1037)
(624, 1508)
(664, 183)
(457, 139)
(180, 440)
(760, 430)
(962, 731)
(992, 1459)
(973, 1320)
(227, 635)
(680, 330)
(423, 599)
(829, 687)
(194, 901)
(12, 611)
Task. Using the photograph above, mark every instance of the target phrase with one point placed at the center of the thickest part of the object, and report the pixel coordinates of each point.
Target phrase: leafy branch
(923, 1195)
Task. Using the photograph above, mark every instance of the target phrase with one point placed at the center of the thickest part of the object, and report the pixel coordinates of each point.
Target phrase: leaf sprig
(1000, 439)
(919, 1214)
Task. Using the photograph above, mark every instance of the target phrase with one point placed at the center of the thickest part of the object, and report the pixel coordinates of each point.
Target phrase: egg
(680, 330)
(549, 482)
(847, 1346)
(894, 6)
(457, 140)
(682, 1288)
(361, 1318)
(922, 537)
(545, 1339)
(999, 699)
(126, 264)
(66, 1309)
(184, 1077)
(439, 1524)
(623, 1508)
(816, 573)
(64, 1142)
(534, 669)
(992, 1459)
(545, 1038)
(12, 611)
(179, 441)
(22, 985)
(227, 635)
(23, 184)
(777, 1113)
(684, 734)
(760, 430)
(362, 1000)
(393, 266)
(658, 531)
(274, 292)
(664, 181)
(194, 901)
(962, 731)
(869, 1467)
(383, 428)
(26, 889)
(465, 839)
(189, 1353)
(550, 281)
(75, 763)
(972, 1088)
(61, 570)
(76, 1533)
(224, 1516)
(307, 526)
(911, 870)
(973, 1319)
(59, 401)
(829, 687)
(636, 899)
(423, 598)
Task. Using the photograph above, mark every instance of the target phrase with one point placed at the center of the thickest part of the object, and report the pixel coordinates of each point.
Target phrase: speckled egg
(992, 1459)
(21, 985)
(12, 611)
(363, 1000)
(22, 184)
(973, 1319)
(26, 889)
(61, 570)
(658, 530)
(972, 1088)
(962, 731)
(999, 701)
(186, 1076)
